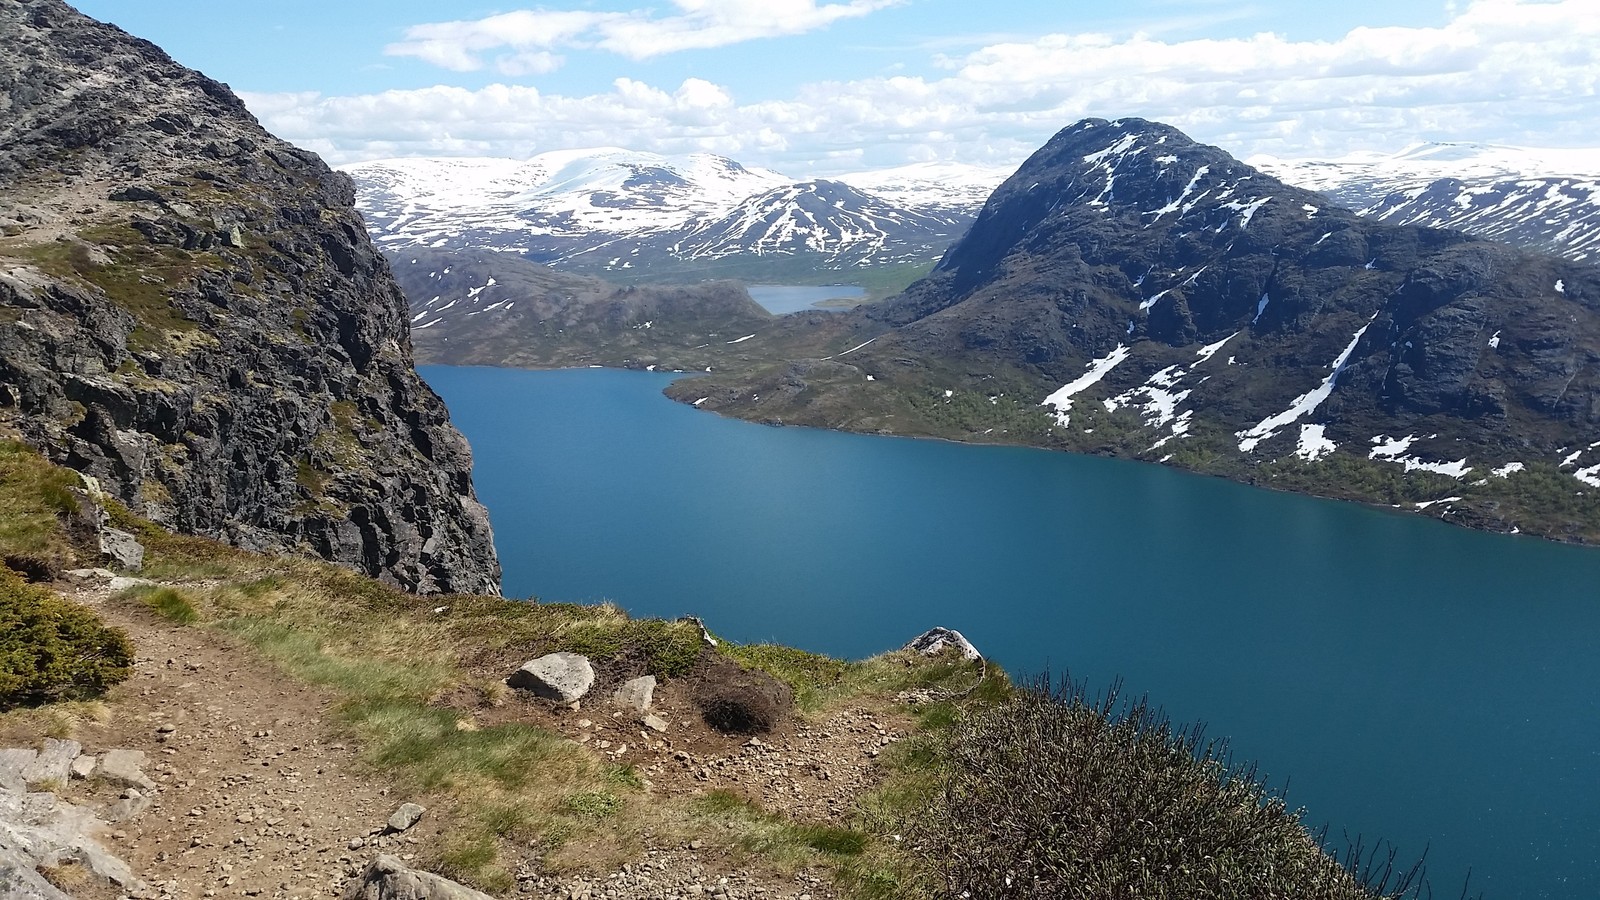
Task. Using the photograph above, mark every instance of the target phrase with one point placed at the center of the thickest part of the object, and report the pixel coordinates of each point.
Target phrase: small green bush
(52, 650)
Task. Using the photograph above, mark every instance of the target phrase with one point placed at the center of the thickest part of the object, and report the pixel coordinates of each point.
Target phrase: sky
(823, 87)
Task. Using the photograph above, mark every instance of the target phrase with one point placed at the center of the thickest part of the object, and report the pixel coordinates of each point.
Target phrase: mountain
(1542, 199)
(488, 308)
(842, 226)
(931, 188)
(192, 315)
(632, 214)
(1130, 291)
(554, 207)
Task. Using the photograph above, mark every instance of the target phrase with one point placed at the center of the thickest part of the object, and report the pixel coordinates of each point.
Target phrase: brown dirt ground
(261, 796)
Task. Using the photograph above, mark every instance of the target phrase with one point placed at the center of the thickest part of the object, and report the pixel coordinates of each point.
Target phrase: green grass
(38, 509)
(139, 277)
(756, 832)
(168, 603)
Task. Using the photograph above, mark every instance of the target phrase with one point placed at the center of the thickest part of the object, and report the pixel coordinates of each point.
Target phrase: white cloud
(701, 24)
(1506, 71)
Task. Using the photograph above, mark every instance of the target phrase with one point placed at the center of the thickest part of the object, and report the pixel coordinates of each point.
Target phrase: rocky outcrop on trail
(191, 313)
(38, 829)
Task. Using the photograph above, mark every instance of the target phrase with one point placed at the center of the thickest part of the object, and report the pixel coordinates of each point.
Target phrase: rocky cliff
(191, 312)
(1156, 298)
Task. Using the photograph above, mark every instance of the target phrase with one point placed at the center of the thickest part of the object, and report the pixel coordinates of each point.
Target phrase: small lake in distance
(1430, 685)
(780, 299)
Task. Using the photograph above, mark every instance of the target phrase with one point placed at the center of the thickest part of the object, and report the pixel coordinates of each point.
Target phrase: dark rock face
(191, 313)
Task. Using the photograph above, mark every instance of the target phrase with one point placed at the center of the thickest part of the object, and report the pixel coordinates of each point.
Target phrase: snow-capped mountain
(829, 219)
(542, 204)
(1543, 199)
(611, 210)
(930, 187)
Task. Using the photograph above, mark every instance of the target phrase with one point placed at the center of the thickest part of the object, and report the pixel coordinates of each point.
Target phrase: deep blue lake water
(787, 298)
(1422, 683)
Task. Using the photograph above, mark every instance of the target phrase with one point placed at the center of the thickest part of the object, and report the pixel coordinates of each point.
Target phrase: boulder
(387, 878)
(563, 677)
(406, 816)
(637, 694)
(83, 766)
(122, 548)
(12, 764)
(936, 640)
(53, 764)
(124, 767)
(43, 830)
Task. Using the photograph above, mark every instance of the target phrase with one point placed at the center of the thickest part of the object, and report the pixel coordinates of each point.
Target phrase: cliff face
(191, 313)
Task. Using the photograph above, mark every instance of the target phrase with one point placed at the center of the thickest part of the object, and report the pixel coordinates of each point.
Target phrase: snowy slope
(930, 186)
(1544, 199)
(498, 202)
(826, 218)
(610, 210)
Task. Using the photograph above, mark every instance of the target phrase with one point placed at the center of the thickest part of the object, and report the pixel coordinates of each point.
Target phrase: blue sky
(820, 86)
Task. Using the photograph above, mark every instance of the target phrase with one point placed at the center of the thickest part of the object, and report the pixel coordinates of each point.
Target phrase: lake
(787, 298)
(1422, 683)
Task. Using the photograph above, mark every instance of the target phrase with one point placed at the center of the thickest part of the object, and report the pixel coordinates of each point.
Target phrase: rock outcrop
(192, 314)
(40, 830)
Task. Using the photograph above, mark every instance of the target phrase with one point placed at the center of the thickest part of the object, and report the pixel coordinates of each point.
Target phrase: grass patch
(593, 804)
(775, 839)
(167, 602)
(39, 510)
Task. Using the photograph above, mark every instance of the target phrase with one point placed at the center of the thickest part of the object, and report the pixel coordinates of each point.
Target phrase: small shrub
(1053, 796)
(52, 650)
(832, 840)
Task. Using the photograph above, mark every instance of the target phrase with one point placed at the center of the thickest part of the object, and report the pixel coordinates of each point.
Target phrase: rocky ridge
(1156, 298)
(191, 314)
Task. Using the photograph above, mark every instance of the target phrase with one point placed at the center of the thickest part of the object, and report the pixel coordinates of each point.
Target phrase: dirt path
(260, 796)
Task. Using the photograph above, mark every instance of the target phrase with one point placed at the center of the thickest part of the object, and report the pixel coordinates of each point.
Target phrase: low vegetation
(53, 650)
(995, 792)
(1056, 795)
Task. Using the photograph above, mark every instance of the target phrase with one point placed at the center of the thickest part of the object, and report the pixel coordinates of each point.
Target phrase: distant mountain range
(1543, 199)
(625, 213)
